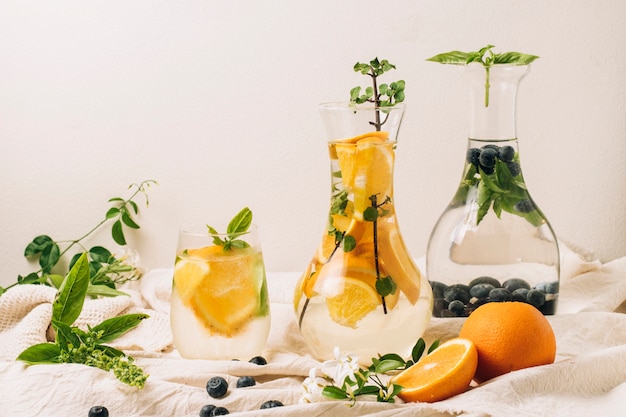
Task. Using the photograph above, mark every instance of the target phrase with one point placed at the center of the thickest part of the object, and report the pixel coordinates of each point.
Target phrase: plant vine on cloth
(74, 345)
(106, 270)
(487, 58)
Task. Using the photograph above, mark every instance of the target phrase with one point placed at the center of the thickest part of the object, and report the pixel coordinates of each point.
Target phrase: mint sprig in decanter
(492, 243)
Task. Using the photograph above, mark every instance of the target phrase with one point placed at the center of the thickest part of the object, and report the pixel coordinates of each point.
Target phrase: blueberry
(524, 206)
(485, 280)
(519, 295)
(207, 410)
(258, 360)
(217, 387)
(487, 158)
(472, 156)
(245, 381)
(536, 298)
(481, 290)
(513, 284)
(499, 295)
(548, 287)
(438, 289)
(98, 411)
(507, 153)
(219, 411)
(457, 292)
(457, 307)
(271, 404)
(514, 168)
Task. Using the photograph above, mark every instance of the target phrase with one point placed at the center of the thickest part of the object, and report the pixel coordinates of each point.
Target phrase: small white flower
(312, 387)
(342, 367)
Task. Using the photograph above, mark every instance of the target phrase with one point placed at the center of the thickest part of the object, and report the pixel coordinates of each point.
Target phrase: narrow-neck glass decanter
(492, 243)
(362, 292)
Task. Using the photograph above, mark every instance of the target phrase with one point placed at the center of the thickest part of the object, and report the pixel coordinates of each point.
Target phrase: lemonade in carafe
(362, 292)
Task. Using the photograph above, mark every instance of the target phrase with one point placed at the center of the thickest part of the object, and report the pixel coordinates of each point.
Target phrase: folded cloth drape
(588, 377)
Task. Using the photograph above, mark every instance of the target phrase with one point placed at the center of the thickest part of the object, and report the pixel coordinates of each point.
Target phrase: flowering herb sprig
(75, 345)
(344, 379)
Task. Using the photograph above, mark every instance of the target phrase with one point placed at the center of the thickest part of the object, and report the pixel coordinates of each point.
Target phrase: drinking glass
(219, 305)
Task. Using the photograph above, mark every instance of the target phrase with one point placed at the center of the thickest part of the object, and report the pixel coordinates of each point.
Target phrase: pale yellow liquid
(377, 333)
(219, 305)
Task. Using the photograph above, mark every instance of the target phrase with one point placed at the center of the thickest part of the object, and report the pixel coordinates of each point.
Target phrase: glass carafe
(362, 292)
(492, 242)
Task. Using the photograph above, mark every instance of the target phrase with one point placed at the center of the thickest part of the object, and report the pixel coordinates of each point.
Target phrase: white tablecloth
(588, 377)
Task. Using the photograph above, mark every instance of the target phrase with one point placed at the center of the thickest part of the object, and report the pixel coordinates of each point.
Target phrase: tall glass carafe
(492, 242)
(362, 292)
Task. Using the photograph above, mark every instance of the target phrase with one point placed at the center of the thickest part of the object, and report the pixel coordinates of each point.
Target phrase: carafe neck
(492, 95)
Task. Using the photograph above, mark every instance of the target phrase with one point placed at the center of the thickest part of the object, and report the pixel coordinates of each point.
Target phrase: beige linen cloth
(588, 377)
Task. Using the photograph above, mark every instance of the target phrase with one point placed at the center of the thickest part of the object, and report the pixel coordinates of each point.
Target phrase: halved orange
(445, 372)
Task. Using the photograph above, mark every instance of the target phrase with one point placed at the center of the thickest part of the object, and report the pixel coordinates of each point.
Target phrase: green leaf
(95, 290)
(370, 214)
(49, 257)
(65, 336)
(418, 350)
(100, 254)
(367, 390)
(387, 365)
(117, 233)
(452, 57)
(385, 286)
(116, 199)
(515, 58)
(134, 206)
(56, 279)
(241, 222)
(434, 346)
(239, 244)
(69, 300)
(117, 326)
(31, 278)
(128, 221)
(41, 353)
(38, 245)
(349, 243)
(112, 212)
(334, 392)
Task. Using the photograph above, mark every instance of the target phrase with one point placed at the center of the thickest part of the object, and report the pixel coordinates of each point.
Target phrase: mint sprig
(75, 345)
(383, 95)
(487, 58)
(238, 226)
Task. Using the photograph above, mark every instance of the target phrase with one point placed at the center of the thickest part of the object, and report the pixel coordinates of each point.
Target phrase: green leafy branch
(384, 285)
(105, 269)
(368, 381)
(74, 345)
(238, 226)
(487, 58)
(383, 95)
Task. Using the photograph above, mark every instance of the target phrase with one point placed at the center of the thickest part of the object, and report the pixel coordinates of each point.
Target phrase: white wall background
(216, 100)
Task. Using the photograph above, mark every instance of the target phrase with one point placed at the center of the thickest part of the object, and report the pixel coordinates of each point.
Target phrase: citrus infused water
(219, 303)
(362, 291)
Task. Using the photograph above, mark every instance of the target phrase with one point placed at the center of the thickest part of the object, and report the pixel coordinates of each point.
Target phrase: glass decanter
(362, 292)
(492, 242)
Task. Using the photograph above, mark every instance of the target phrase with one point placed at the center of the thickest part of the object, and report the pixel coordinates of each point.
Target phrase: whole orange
(509, 336)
